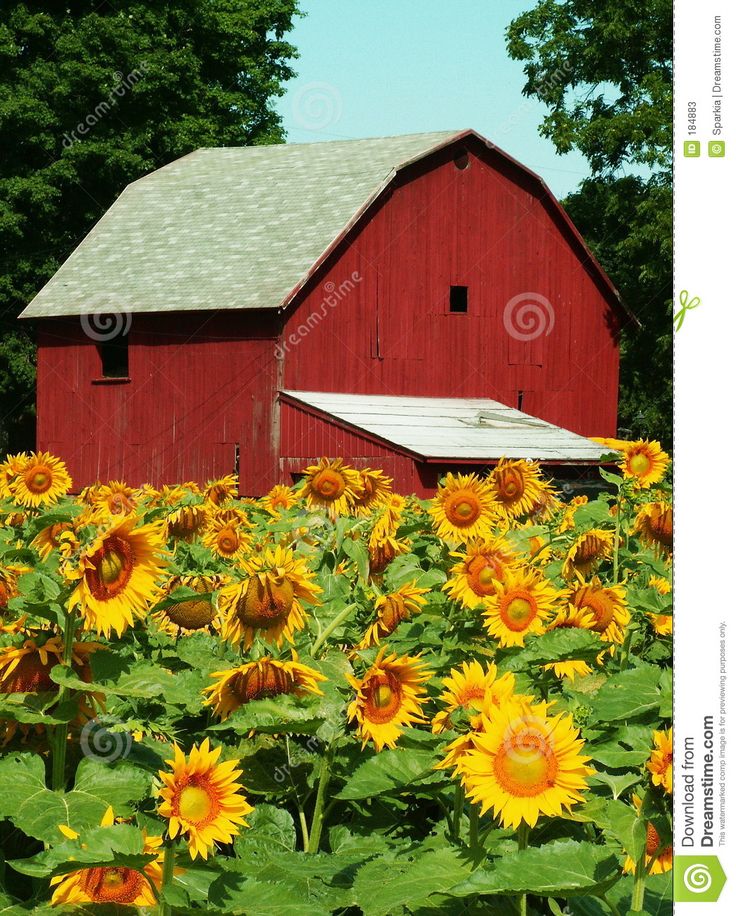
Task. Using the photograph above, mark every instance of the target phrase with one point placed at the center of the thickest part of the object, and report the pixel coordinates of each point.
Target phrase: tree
(604, 70)
(92, 96)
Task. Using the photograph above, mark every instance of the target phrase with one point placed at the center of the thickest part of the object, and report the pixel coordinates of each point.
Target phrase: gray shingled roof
(231, 228)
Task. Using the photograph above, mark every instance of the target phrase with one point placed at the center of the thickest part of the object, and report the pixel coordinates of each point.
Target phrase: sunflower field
(336, 699)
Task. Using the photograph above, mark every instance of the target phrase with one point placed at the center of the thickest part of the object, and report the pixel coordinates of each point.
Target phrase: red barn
(418, 303)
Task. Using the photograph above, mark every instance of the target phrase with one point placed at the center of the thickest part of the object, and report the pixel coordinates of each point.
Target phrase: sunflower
(221, 490)
(607, 604)
(8, 591)
(118, 574)
(201, 799)
(653, 524)
(463, 509)
(257, 680)
(195, 614)
(187, 522)
(392, 609)
(48, 539)
(616, 445)
(9, 470)
(114, 885)
(374, 489)
(114, 498)
(644, 462)
(382, 551)
(279, 499)
(525, 763)
(568, 517)
(466, 688)
(663, 861)
(546, 506)
(267, 604)
(389, 518)
(482, 566)
(660, 761)
(41, 480)
(516, 487)
(571, 617)
(331, 485)
(661, 624)
(389, 697)
(227, 538)
(586, 552)
(520, 607)
(27, 668)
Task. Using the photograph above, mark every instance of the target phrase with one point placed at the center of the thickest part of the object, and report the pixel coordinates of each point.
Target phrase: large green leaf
(558, 645)
(39, 811)
(628, 695)
(389, 771)
(562, 868)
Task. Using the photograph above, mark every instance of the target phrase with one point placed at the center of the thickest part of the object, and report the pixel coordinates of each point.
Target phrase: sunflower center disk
(116, 885)
(39, 481)
(195, 804)
(602, 611)
(383, 697)
(463, 508)
(227, 540)
(652, 839)
(518, 612)
(262, 681)
(113, 567)
(526, 765)
(191, 615)
(392, 613)
(266, 604)
(640, 464)
(329, 485)
(30, 675)
(481, 573)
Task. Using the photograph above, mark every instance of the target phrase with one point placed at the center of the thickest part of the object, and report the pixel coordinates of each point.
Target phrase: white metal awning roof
(453, 428)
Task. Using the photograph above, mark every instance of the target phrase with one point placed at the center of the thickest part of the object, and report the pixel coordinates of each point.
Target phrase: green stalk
(304, 828)
(315, 831)
(523, 841)
(167, 875)
(58, 747)
(332, 626)
(617, 538)
(458, 810)
(640, 877)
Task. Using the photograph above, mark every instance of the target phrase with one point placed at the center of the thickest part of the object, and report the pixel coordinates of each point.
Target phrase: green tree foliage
(604, 70)
(92, 96)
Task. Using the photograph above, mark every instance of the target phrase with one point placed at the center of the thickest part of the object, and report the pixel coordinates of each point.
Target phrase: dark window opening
(114, 357)
(459, 299)
(519, 400)
(461, 159)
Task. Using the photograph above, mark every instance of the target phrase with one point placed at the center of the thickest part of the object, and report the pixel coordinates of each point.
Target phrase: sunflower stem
(458, 810)
(522, 837)
(167, 875)
(304, 828)
(58, 747)
(315, 831)
(617, 538)
(640, 877)
(331, 627)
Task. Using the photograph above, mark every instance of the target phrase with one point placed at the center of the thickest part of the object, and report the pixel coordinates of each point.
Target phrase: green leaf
(628, 695)
(284, 714)
(625, 825)
(390, 771)
(558, 645)
(270, 829)
(358, 553)
(386, 884)
(562, 868)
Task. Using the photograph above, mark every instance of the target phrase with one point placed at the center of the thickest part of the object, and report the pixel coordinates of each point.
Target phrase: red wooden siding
(200, 385)
(392, 333)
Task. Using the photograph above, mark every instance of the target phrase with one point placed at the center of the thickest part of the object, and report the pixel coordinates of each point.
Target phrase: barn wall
(200, 385)
(376, 318)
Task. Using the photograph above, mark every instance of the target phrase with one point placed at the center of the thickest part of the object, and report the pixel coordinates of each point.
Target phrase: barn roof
(451, 429)
(236, 228)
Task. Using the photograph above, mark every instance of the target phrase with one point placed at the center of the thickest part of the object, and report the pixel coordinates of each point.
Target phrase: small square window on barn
(459, 299)
(114, 357)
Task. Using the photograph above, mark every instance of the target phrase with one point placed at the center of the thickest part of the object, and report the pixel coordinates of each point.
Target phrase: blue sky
(371, 68)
